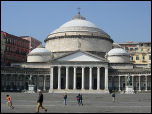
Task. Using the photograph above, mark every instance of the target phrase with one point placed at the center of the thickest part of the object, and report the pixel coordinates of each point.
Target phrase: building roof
(40, 51)
(117, 51)
(131, 42)
(79, 24)
(88, 53)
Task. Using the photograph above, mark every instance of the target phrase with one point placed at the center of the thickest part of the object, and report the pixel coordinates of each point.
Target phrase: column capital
(99, 67)
(59, 66)
(67, 66)
(139, 74)
(90, 67)
(106, 67)
(51, 66)
(75, 66)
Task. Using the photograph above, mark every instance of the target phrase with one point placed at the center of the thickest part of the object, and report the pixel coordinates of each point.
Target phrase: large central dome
(78, 33)
(79, 24)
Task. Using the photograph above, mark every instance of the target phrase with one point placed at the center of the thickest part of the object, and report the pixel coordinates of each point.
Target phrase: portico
(81, 78)
(89, 74)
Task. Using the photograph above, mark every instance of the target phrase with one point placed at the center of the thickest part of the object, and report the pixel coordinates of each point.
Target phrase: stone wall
(119, 59)
(73, 44)
(38, 58)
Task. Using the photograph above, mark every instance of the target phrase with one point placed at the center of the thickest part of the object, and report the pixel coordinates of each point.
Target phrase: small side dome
(118, 55)
(117, 51)
(39, 55)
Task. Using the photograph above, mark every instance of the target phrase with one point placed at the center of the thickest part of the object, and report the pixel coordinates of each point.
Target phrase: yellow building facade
(140, 52)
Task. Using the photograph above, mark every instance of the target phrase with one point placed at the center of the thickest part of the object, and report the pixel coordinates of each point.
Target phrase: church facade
(78, 57)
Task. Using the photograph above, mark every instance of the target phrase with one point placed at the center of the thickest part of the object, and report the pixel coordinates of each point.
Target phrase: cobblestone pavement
(93, 103)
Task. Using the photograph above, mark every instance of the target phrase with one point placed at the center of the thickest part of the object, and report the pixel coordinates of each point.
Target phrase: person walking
(39, 102)
(81, 99)
(65, 97)
(78, 99)
(113, 96)
(9, 102)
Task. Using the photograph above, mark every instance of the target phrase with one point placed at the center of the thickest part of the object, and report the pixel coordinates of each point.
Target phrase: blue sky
(122, 20)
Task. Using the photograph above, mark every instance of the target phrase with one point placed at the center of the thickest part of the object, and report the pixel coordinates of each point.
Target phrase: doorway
(78, 83)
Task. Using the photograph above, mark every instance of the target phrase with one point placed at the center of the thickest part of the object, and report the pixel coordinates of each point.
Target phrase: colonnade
(74, 77)
(133, 77)
(19, 80)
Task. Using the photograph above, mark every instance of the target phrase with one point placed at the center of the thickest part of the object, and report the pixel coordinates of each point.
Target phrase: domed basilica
(78, 57)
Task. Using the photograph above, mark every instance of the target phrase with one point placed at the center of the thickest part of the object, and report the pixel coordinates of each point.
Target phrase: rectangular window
(14, 42)
(131, 49)
(132, 58)
(126, 48)
(149, 57)
(143, 57)
(136, 49)
(9, 49)
(137, 57)
(13, 49)
(141, 49)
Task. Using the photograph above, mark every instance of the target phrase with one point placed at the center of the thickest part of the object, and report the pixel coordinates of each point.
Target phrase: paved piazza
(99, 103)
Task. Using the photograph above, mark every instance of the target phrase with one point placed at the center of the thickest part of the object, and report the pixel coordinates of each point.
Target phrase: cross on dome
(78, 16)
(79, 10)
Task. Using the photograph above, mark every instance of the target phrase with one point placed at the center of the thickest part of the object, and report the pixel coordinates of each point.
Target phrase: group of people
(40, 100)
(78, 97)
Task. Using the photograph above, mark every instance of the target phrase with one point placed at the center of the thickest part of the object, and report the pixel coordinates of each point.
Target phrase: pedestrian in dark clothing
(65, 97)
(39, 102)
(78, 99)
(113, 96)
(81, 99)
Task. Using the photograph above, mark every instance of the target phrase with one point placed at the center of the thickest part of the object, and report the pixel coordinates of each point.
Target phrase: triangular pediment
(80, 56)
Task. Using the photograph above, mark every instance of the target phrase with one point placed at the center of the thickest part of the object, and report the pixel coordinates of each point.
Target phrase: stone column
(67, 77)
(4, 82)
(24, 82)
(44, 83)
(106, 78)
(82, 77)
(125, 81)
(11, 86)
(90, 78)
(51, 80)
(37, 82)
(74, 79)
(17, 82)
(146, 83)
(59, 77)
(119, 83)
(139, 83)
(132, 82)
(98, 78)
